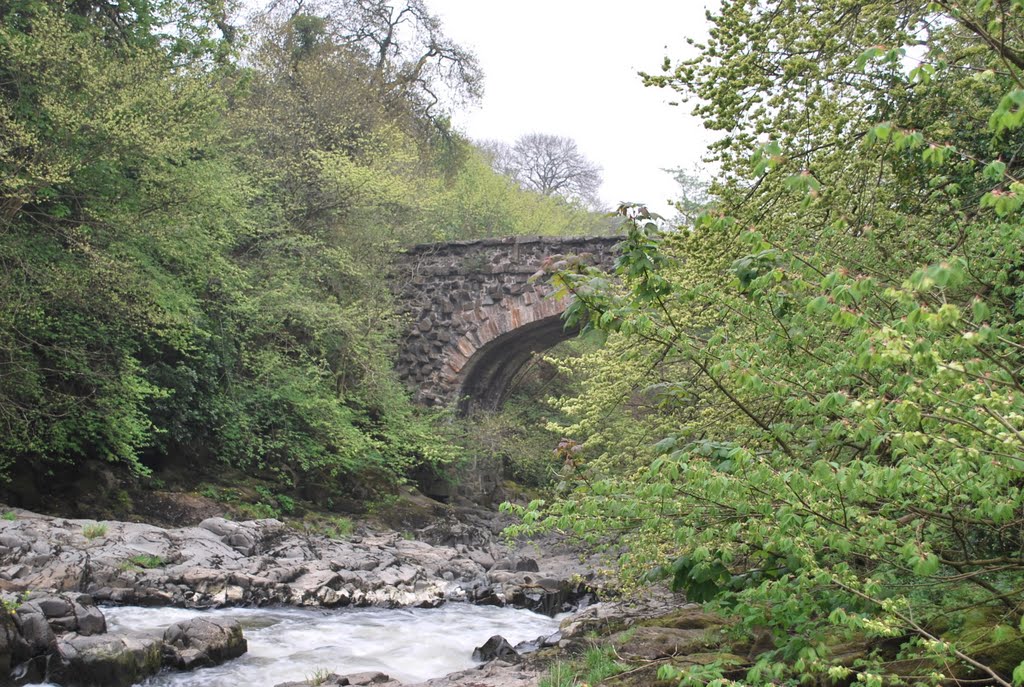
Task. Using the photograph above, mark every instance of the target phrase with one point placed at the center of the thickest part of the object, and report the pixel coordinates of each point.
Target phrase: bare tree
(548, 164)
(408, 50)
(402, 43)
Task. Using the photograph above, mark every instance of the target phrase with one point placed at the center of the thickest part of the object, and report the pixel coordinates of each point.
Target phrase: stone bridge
(475, 318)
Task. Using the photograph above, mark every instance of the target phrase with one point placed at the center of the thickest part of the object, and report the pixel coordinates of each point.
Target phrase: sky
(569, 68)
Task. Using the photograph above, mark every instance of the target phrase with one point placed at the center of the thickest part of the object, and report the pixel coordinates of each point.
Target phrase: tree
(809, 414)
(403, 46)
(106, 191)
(694, 195)
(550, 165)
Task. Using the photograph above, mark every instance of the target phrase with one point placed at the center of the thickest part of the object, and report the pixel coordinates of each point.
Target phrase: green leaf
(1018, 675)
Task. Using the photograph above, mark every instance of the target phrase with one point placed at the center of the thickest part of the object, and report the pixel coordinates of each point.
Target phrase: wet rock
(542, 642)
(495, 647)
(199, 643)
(64, 613)
(368, 678)
(487, 596)
(105, 660)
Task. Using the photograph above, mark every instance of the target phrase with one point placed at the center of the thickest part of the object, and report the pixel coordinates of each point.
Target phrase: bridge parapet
(474, 317)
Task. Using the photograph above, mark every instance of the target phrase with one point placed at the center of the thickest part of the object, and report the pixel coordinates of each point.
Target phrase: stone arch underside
(487, 374)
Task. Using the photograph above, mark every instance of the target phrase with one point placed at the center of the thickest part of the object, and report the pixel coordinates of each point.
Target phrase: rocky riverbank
(222, 563)
(54, 572)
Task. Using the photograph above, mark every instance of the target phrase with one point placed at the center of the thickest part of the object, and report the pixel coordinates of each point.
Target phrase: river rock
(105, 660)
(495, 647)
(69, 612)
(226, 563)
(14, 649)
(493, 674)
(608, 617)
(355, 680)
(651, 643)
(200, 642)
(542, 642)
(36, 631)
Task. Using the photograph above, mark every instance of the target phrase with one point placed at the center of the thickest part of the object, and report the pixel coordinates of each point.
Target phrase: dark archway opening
(495, 364)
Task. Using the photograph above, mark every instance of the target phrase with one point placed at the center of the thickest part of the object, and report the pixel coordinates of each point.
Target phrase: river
(410, 645)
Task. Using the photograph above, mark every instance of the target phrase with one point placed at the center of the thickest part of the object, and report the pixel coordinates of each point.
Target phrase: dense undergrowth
(196, 223)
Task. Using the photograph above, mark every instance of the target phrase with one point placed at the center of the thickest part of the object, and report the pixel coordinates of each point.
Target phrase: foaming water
(410, 645)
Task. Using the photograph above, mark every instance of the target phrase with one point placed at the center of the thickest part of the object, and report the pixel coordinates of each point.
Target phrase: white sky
(568, 67)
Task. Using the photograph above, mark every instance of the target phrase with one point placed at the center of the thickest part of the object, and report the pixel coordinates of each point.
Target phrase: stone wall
(473, 316)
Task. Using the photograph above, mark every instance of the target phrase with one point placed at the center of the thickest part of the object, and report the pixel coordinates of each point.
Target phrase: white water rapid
(410, 645)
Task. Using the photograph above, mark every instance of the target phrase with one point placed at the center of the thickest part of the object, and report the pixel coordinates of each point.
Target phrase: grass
(340, 528)
(9, 515)
(332, 527)
(146, 561)
(142, 561)
(94, 530)
(598, 664)
(601, 664)
(559, 675)
(318, 676)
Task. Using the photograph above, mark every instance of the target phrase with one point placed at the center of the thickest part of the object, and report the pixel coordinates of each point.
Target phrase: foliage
(480, 202)
(196, 226)
(809, 413)
(517, 436)
(597, 664)
(408, 60)
(694, 195)
(11, 603)
(340, 528)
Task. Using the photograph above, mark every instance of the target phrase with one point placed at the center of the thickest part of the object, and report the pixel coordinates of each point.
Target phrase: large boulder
(105, 660)
(200, 642)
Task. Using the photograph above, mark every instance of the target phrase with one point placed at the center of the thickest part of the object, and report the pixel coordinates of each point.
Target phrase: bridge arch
(484, 380)
(474, 316)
